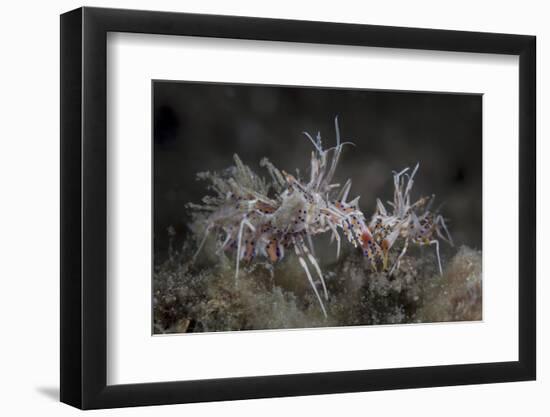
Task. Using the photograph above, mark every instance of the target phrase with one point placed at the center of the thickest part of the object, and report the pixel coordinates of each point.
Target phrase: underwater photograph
(282, 207)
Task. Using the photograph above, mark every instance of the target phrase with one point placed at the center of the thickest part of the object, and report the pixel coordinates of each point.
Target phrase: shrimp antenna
(337, 127)
(317, 146)
(335, 148)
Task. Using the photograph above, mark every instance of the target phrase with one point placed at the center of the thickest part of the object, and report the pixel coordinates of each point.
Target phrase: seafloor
(204, 297)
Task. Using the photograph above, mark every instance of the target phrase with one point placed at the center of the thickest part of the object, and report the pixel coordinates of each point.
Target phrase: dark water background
(198, 127)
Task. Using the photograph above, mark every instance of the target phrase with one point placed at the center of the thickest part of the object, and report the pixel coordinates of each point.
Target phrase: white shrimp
(408, 222)
(253, 224)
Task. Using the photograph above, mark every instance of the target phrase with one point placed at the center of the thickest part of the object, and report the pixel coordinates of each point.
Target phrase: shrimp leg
(336, 236)
(244, 222)
(313, 262)
(398, 260)
(448, 237)
(436, 243)
(303, 264)
(202, 242)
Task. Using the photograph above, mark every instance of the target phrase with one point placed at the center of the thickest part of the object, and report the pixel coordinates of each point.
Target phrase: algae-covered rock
(204, 296)
(457, 296)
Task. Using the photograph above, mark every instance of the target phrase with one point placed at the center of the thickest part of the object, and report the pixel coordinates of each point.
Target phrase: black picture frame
(84, 207)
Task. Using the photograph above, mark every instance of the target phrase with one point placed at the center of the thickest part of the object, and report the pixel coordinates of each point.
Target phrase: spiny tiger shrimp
(254, 224)
(407, 222)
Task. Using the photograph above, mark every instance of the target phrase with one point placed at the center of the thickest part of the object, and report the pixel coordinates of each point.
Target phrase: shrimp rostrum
(253, 224)
(254, 217)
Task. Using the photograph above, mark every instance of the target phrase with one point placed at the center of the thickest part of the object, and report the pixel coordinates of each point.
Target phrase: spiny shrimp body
(407, 222)
(253, 224)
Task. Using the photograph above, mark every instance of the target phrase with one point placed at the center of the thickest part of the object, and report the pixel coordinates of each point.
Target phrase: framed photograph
(257, 208)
